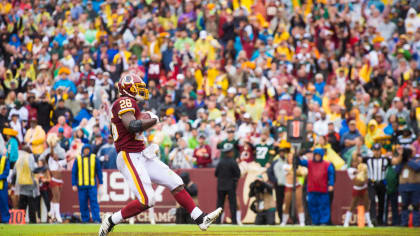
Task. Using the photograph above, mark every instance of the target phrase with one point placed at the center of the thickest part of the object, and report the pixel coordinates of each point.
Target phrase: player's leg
(132, 168)
(131, 165)
(162, 175)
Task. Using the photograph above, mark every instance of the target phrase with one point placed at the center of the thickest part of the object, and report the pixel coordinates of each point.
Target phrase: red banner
(117, 194)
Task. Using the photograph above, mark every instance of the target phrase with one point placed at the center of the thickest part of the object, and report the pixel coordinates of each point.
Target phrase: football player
(139, 164)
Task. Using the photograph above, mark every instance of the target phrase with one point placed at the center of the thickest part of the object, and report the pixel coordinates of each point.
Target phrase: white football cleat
(106, 226)
(210, 218)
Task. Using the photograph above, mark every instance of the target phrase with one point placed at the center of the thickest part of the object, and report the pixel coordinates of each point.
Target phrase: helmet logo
(128, 79)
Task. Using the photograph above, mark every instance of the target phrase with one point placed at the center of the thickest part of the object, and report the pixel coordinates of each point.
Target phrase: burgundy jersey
(124, 140)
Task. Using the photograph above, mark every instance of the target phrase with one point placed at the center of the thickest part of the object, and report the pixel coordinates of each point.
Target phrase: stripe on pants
(135, 178)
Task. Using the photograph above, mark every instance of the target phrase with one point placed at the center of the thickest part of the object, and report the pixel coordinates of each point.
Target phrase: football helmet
(131, 85)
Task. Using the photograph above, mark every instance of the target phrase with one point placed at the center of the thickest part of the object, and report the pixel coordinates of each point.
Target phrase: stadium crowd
(218, 72)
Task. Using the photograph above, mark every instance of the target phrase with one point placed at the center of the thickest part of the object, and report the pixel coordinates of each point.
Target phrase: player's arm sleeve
(331, 175)
(126, 105)
(125, 110)
(133, 125)
(74, 173)
(98, 170)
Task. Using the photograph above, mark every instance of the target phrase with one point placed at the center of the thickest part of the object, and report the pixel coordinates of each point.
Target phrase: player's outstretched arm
(133, 126)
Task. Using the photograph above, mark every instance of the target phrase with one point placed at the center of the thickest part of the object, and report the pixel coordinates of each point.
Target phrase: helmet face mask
(133, 86)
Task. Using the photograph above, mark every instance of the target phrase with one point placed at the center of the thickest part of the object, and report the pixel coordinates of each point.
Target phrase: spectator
(373, 133)
(35, 136)
(230, 141)
(108, 154)
(333, 138)
(15, 124)
(61, 110)
(61, 124)
(86, 174)
(321, 125)
(202, 153)
(247, 152)
(218, 136)
(348, 140)
(330, 155)
(12, 145)
(193, 140)
(64, 142)
(64, 82)
(97, 143)
(227, 173)
(407, 137)
(264, 151)
(43, 107)
(246, 126)
(320, 182)
(181, 156)
(26, 186)
(3, 117)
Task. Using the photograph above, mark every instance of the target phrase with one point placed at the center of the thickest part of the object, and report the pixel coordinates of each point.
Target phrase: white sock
(116, 218)
(151, 214)
(57, 212)
(367, 218)
(285, 218)
(348, 218)
(222, 217)
(196, 213)
(238, 216)
(52, 209)
(301, 219)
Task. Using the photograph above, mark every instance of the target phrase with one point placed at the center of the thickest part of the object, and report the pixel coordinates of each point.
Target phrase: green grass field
(145, 229)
